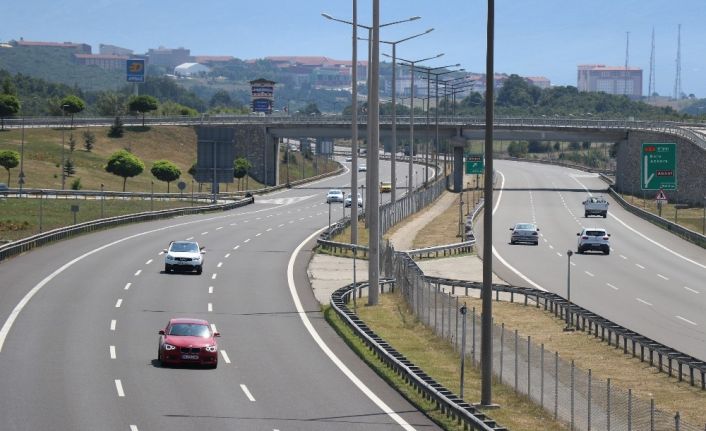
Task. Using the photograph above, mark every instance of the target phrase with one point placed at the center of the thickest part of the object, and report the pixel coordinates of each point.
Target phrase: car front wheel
(199, 269)
(167, 268)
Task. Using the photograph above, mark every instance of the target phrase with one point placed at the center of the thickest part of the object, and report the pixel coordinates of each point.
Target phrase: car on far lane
(333, 196)
(349, 158)
(593, 238)
(186, 341)
(183, 255)
(362, 168)
(524, 232)
(349, 201)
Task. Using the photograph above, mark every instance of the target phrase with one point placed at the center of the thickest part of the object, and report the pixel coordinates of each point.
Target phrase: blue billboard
(135, 70)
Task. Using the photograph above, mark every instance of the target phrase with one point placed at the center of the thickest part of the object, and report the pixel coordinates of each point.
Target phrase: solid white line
(220, 264)
(210, 307)
(639, 266)
(119, 303)
(691, 290)
(317, 338)
(112, 352)
(138, 272)
(644, 302)
(112, 324)
(213, 277)
(227, 255)
(148, 262)
(210, 289)
(611, 286)
(119, 387)
(127, 286)
(589, 274)
(662, 277)
(225, 356)
(247, 393)
(686, 320)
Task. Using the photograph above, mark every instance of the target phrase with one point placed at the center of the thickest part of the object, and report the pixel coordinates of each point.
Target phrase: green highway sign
(475, 163)
(658, 166)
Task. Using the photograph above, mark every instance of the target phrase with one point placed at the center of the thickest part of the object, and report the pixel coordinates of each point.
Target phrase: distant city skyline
(533, 38)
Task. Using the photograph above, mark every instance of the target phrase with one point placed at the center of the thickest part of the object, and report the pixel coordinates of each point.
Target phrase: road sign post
(658, 166)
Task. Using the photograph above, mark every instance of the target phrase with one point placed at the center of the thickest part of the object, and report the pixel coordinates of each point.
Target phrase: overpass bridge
(259, 137)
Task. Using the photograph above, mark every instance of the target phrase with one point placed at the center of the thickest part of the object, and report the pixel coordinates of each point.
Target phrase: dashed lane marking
(118, 303)
(138, 272)
(247, 393)
(691, 290)
(113, 323)
(148, 262)
(611, 286)
(225, 356)
(112, 352)
(639, 266)
(127, 286)
(686, 320)
(644, 302)
(662, 277)
(119, 388)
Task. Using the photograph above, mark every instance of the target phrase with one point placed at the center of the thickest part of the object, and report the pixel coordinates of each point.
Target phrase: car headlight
(211, 348)
(169, 347)
(170, 257)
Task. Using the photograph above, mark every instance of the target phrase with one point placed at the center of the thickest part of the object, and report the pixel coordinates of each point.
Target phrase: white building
(190, 69)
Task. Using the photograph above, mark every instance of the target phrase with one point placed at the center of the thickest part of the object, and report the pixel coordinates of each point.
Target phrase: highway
(80, 319)
(652, 281)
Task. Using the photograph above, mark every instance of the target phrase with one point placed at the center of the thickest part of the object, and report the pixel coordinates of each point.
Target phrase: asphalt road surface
(80, 319)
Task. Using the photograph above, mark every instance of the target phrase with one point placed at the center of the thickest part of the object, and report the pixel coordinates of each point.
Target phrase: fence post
(516, 358)
(464, 321)
(473, 341)
(529, 366)
(502, 348)
(589, 398)
(677, 422)
(572, 394)
(629, 409)
(541, 377)
(652, 414)
(608, 406)
(556, 385)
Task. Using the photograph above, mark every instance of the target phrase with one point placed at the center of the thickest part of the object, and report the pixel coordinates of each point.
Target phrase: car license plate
(189, 357)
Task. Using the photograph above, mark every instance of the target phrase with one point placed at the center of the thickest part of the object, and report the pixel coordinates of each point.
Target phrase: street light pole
(569, 320)
(63, 132)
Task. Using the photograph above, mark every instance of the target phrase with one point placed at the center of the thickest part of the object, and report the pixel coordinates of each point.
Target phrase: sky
(532, 37)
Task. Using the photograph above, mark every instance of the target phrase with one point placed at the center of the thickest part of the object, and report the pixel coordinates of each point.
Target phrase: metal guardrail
(445, 250)
(26, 244)
(453, 406)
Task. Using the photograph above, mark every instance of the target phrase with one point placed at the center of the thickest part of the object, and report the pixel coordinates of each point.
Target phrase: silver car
(524, 232)
(334, 195)
(593, 238)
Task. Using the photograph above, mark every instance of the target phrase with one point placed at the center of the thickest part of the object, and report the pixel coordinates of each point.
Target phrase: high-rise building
(610, 79)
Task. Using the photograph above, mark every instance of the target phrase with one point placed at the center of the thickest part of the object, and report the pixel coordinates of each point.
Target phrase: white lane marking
(258, 234)
(133, 428)
(219, 228)
(639, 266)
(204, 233)
(589, 274)
(10, 321)
(258, 218)
(281, 225)
(247, 240)
(119, 303)
(138, 272)
(573, 264)
(268, 229)
(210, 307)
(210, 289)
(236, 247)
(189, 238)
(220, 264)
(611, 286)
(227, 255)
(643, 301)
(148, 262)
(112, 352)
(119, 387)
(551, 247)
(317, 338)
(160, 253)
(662, 277)
(213, 327)
(247, 392)
(558, 254)
(233, 224)
(623, 257)
(691, 290)
(686, 320)
(225, 356)
(127, 286)
(213, 277)
(113, 323)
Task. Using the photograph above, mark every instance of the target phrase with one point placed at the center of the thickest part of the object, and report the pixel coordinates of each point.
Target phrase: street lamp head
(569, 253)
(414, 18)
(429, 30)
(325, 15)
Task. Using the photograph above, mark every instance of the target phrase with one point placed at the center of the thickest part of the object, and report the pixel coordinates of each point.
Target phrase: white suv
(186, 255)
(593, 238)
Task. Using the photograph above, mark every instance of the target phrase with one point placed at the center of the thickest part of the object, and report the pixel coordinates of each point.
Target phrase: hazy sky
(533, 37)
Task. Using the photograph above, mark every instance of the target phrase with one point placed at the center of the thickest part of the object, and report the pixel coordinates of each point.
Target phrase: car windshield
(190, 330)
(184, 247)
(524, 227)
(335, 192)
(595, 233)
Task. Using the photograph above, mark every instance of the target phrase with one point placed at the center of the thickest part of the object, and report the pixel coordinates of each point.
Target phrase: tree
(73, 105)
(124, 164)
(311, 109)
(110, 103)
(221, 98)
(72, 143)
(88, 140)
(241, 166)
(69, 167)
(515, 92)
(172, 108)
(166, 171)
(9, 159)
(517, 149)
(9, 106)
(116, 129)
(143, 104)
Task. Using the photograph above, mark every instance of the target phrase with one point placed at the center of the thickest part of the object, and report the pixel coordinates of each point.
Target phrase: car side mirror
(216, 334)
(161, 332)
(165, 250)
(512, 228)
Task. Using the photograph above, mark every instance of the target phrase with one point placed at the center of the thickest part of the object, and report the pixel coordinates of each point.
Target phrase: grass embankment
(691, 218)
(392, 321)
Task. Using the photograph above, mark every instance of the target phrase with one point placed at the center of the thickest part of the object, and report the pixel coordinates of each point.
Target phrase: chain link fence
(573, 396)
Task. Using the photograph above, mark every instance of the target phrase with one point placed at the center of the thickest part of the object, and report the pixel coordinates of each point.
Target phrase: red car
(188, 341)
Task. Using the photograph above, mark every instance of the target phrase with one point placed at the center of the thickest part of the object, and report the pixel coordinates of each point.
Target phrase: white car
(362, 168)
(349, 201)
(334, 195)
(184, 255)
(349, 158)
(524, 232)
(593, 238)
